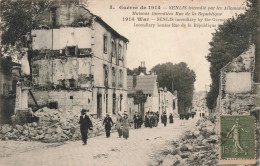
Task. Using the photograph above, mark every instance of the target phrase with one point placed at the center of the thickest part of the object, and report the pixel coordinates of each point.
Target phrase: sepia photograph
(130, 82)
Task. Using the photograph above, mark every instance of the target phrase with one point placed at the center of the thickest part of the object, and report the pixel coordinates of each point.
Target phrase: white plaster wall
(80, 99)
(56, 39)
(100, 58)
(238, 82)
(51, 71)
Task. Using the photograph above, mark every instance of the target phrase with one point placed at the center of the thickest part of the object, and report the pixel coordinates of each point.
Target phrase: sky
(160, 45)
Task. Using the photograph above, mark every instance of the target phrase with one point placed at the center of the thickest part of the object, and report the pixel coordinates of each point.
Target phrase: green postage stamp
(237, 139)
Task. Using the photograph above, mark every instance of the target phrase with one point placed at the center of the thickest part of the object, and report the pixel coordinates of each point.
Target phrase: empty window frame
(72, 83)
(113, 49)
(53, 105)
(71, 50)
(113, 77)
(54, 16)
(105, 44)
(120, 78)
(114, 104)
(105, 68)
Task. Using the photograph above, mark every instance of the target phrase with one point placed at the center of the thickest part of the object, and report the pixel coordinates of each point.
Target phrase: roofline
(99, 19)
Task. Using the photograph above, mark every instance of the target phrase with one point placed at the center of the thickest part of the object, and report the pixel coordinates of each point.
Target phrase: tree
(180, 78)
(140, 98)
(18, 18)
(229, 41)
(136, 71)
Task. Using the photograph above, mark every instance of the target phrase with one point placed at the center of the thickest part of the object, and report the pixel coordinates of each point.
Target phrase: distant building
(168, 102)
(148, 84)
(78, 61)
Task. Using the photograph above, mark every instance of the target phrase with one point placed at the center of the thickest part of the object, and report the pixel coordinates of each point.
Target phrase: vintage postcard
(129, 82)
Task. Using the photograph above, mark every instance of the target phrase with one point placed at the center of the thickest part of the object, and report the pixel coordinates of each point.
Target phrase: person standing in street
(119, 124)
(85, 125)
(164, 117)
(108, 124)
(146, 120)
(171, 118)
(125, 126)
(136, 120)
(140, 121)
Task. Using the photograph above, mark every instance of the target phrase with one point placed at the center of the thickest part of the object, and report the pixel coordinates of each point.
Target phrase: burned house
(239, 94)
(78, 61)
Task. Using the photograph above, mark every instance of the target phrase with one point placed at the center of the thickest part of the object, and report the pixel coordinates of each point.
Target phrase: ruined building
(239, 94)
(78, 61)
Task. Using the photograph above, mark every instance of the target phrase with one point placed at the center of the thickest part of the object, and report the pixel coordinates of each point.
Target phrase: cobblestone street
(142, 148)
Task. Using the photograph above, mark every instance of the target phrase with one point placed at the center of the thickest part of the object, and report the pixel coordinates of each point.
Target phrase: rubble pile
(54, 126)
(196, 147)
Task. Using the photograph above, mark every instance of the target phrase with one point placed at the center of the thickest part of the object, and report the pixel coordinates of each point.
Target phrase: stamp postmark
(237, 139)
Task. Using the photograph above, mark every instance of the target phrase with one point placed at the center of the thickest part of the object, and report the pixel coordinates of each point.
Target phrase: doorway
(99, 106)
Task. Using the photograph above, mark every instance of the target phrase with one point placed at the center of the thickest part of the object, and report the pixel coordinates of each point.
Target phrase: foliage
(17, 19)
(139, 97)
(177, 77)
(229, 41)
(136, 71)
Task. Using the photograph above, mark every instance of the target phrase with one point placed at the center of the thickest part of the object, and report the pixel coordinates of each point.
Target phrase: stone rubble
(54, 126)
(200, 146)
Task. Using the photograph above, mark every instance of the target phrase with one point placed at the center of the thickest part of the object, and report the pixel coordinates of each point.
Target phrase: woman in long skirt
(125, 125)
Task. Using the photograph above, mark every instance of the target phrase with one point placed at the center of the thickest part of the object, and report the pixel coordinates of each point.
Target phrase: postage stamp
(237, 139)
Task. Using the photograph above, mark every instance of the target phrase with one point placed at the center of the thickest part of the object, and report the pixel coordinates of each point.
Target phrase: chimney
(142, 63)
(142, 68)
(134, 80)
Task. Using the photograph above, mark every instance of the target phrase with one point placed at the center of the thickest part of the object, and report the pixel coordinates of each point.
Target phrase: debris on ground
(55, 125)
(199, 146)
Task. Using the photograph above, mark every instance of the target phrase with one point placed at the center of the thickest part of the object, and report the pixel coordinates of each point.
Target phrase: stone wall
(236, 94)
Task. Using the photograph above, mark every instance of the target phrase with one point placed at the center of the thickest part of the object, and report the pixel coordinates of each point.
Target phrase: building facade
(78, 61)
(148, 84)
(238, 93)
(168, 102)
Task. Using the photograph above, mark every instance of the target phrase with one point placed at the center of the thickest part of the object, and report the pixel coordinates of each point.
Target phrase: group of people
(164, 118)
(122, 123)
(151, 119)
(138, 120)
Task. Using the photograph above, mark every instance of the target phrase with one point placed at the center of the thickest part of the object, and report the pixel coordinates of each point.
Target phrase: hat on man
(83, 111)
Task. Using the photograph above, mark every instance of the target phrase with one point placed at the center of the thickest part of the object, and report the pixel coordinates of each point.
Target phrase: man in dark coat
(164, 117)
(136, 120)
(171, 118)
(140, 121)
(108, 124)
(146, 120)
(85, 124)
